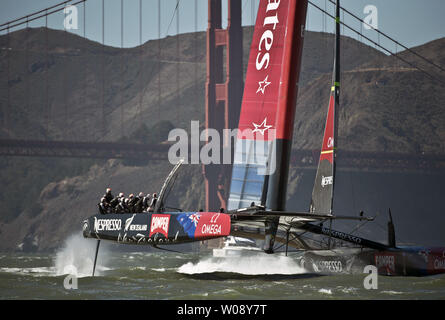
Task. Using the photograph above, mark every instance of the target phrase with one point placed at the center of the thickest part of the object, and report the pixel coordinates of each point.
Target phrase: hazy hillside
(384, 106)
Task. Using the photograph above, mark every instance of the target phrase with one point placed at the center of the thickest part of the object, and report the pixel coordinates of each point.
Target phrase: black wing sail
(323, 192)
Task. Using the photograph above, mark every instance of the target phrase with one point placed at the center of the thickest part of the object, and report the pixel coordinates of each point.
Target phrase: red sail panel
(268, 107)
(273, 67)
(327, 149)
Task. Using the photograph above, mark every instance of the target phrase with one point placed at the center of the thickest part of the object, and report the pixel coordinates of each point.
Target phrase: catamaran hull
(157, 228)
(411, 261)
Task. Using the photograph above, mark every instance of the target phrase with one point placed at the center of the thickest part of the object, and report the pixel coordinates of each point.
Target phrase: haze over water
(168, 275)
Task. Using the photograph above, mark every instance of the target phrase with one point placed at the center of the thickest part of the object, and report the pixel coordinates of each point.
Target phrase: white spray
(77, 257)
(252, 265)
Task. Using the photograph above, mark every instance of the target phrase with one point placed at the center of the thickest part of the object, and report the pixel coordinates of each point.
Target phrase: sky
(411, 22)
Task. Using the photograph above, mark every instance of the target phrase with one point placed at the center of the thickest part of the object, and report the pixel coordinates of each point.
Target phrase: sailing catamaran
(256, 204)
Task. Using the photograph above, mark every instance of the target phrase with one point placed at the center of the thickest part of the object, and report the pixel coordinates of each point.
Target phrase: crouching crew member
(153, 203)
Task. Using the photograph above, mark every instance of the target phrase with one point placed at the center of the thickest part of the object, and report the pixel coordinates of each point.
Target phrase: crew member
(146, 202)
(131, 202)
(139, 206)
(108, 195)
(114, 203)
(153, 203)
(121, 206)
(104, 206)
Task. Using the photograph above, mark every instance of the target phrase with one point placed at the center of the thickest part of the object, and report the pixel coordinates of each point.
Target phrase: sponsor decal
(263, 84)
(204, 225)
(189, 221)
(143, 239)
(134, 227)
(261, 127)
(341, 235)
(138, 227)
(211, 229)
(385, 262)
(267, 38)
(107, 224)
(439, 263)
(330, 143)
(331, 266)
(436, 258)
(326, 181)
(128, 222)
(159, 224)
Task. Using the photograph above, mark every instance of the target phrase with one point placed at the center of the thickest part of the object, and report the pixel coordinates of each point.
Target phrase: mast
(323, 191)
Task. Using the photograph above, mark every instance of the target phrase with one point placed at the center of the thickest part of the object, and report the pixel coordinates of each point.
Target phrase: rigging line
(26, 80)
(360, 225)
(288, 241)
(321, 242)
(122, 68)
(298, 235)
(173, 16)
(393, 40)
(252, 8)
(160, 46)
(48, 111)
(160, 49)
(381, 47)
(159, 58)
(397, 237)
(85, 36)
(103, 69)
(65, 99)
(295, 236)
(6, 115)
(244, 5)
(178, 64)
(196, 49)
(141, 74)
(38, 17)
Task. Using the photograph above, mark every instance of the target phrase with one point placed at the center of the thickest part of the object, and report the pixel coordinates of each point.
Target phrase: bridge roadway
(299, 158)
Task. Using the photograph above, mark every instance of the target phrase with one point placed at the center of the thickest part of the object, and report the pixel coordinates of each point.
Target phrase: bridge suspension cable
(391, 39)
(380, 46)
(36, 15)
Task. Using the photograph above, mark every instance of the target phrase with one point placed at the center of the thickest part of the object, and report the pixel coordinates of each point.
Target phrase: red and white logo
(159, 224)
(385, 263)
(261, 127)
(213, 225)
(330, 142)
(263, 84)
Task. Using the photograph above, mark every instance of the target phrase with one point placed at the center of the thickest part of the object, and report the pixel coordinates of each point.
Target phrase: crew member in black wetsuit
(131, 203)
(153, 203)
(108, 195)
(104, 206)
(121, 206)
(139, 203)
(146, 202)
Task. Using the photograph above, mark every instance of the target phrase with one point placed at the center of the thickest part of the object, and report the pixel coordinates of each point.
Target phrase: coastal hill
(62, 86)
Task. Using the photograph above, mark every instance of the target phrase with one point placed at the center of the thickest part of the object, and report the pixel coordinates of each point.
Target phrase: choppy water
(167, 275)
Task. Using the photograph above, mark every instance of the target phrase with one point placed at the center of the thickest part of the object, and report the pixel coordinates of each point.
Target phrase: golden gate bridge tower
(224, 91)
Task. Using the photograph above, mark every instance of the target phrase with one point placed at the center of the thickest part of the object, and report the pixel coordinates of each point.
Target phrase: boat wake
(260, 264)
(77, 257)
